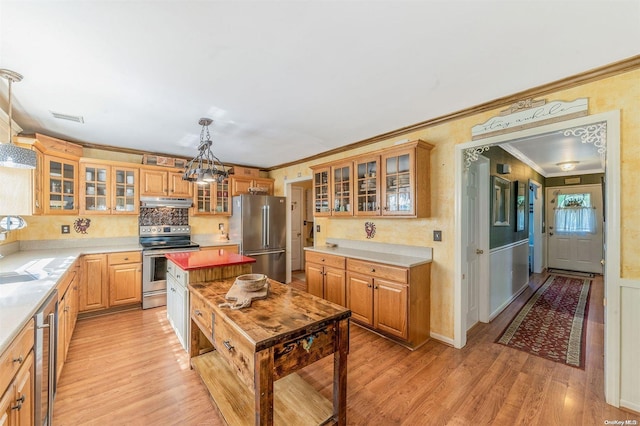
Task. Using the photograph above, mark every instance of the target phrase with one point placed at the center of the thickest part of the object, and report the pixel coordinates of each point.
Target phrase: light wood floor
(128, 368)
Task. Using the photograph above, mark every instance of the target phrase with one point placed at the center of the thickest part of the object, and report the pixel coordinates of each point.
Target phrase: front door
(575, 221)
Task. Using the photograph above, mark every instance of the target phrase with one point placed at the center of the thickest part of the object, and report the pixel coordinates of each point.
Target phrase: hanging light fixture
(12, 155)
(205, 167)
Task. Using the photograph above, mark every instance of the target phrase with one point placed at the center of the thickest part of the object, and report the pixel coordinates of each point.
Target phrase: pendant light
(205, 167)
(12, 155)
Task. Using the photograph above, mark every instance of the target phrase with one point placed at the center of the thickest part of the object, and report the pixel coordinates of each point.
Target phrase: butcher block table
(247, 357)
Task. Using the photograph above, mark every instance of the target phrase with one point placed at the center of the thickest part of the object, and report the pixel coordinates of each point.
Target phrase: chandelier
(12, 155)
(205, 167)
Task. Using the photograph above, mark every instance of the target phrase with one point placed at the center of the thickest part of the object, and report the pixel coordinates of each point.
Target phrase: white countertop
(390, 254)
(19, 301)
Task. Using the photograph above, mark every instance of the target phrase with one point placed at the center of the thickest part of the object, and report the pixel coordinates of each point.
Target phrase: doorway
(299, 225)
(612, 235)
(537, 261)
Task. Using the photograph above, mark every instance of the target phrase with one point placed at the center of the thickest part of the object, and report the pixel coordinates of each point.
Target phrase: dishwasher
(45, 349)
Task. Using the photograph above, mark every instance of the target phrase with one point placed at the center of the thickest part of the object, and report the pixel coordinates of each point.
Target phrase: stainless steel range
(156, 241)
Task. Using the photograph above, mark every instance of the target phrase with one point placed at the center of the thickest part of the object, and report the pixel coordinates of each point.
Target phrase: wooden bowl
(251, 282)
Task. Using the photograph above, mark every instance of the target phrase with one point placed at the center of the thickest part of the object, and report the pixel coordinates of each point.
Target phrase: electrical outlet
(65, 229)
(221, 226)
(317, 228)
(437, 235)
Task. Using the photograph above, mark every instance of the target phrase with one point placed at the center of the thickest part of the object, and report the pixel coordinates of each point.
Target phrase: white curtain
(575, 220)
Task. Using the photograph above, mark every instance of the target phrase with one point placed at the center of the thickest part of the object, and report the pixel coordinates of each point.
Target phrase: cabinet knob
(375, 287)
(373, 269)
(368, 285)
(386, 208)
(21, 399)
(198, 313)
(126, 258)
(19, 359)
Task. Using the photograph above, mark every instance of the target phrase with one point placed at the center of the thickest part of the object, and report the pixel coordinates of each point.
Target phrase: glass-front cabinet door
(212, 198)
(95, 193)
(341, 184)
(60, 186)
(321, 205)
(367, 187)
(124, 190)
(397, 185)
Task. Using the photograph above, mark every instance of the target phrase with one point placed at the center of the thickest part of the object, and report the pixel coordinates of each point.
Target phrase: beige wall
(620, 92)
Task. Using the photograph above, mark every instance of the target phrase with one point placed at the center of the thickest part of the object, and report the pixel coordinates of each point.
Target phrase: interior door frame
(287, 193)
(612, 275)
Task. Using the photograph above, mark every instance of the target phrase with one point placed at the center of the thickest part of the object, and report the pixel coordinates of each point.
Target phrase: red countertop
(207, 259)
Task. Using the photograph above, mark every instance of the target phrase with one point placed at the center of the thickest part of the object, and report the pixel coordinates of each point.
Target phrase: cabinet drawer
(378, 270)
(15, 355)
(202, 314)
(234, 348)
(325, 259)
(124, 257)
(181, 276)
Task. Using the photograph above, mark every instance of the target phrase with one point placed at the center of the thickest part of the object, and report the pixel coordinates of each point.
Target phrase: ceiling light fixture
(12, 155)
(566, 166)
(205, 167)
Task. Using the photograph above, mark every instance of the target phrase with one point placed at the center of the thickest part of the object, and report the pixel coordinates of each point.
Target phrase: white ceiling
(284, 80)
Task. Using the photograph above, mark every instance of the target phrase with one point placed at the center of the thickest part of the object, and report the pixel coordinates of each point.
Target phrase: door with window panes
(574, 228)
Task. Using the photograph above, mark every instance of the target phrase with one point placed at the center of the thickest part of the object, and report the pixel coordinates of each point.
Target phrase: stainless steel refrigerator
(259, 223)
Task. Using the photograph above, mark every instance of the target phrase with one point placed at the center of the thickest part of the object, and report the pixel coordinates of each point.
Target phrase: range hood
(182, 203)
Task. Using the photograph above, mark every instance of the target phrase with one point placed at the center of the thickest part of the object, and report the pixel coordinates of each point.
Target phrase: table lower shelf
(295, 401)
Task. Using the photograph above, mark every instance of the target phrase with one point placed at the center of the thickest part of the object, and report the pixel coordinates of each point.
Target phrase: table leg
(263, 383)
(340, 374)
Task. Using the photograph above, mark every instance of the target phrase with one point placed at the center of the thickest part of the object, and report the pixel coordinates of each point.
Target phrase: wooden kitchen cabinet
(60, 184)
(125, 278)
(68, 300)
(94, 284)
(17, 380)
(212, 199)
(392, 182)
(326, 277)
(243, 185)
(333, 189)
(390, 299)
(163, 183)
(108, 188)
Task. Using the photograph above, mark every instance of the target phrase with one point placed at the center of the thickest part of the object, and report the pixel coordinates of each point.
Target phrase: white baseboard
(441, 338)
(508, 302)
(629, 405)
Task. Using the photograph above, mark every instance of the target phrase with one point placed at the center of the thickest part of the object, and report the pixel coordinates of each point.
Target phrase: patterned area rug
(552, 324)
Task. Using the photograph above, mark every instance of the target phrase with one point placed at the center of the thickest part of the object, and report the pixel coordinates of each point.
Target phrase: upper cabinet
(212, 198)
(390, 182)
(333, 189)
(60, 186)
(163, 183)
(245, 184)
(108, 188)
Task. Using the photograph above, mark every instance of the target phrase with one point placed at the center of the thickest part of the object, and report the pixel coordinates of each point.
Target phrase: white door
(574, 218)
(296, 228)
(474, 218)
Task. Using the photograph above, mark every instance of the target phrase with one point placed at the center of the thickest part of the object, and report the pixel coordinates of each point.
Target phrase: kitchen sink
(14, 277)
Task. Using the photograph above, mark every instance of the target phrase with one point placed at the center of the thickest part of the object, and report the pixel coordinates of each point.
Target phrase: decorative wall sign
(81, 225)
(370, 229)
(592, 133)
(530, 113)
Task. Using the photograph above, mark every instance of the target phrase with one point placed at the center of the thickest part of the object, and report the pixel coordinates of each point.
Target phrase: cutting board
(242, 297)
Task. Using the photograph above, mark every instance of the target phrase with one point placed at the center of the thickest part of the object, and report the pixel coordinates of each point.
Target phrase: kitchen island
(247, 358)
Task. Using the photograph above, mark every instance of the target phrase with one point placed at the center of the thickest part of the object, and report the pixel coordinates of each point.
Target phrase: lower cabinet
(326, 277)
(110, 280)
(125, 278)
(392, 300)
(17, 380)
(68, 306)
(178, 302)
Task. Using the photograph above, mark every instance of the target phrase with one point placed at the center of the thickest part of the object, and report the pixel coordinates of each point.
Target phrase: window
(574, 214)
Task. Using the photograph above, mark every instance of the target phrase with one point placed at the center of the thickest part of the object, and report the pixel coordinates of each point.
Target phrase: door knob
(479, 251)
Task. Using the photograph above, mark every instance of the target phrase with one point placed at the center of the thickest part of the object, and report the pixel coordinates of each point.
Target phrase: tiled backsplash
(163, 216)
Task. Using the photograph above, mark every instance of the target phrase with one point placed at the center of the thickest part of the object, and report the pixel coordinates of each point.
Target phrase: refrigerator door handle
(264, 226)
(268, 239)
(260, 253)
